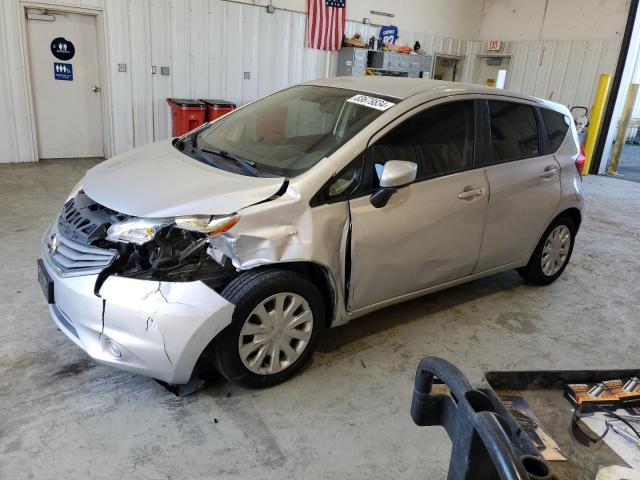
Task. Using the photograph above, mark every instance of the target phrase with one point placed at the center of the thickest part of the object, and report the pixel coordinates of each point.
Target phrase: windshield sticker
(371, 102)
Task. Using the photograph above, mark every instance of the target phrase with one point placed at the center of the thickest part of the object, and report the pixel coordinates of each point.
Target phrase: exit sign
(494, 45)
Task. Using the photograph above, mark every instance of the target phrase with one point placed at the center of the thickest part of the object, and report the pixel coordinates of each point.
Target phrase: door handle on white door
(549, 172)
(95, 89)
(470, 192)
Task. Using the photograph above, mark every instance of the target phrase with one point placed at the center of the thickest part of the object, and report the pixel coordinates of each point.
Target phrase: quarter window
(342, 186)
(439, 140)
(345, 183)
(514, 131)
(557, 126)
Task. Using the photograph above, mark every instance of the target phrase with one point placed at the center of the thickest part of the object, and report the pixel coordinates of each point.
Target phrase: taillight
(582, 159)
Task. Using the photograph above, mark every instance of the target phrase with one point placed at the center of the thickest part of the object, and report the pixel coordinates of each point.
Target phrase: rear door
(524, 182)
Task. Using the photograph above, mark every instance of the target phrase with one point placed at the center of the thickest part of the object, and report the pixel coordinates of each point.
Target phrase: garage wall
(559, 47)
(16, 142)
(553, 19)
(456, 18)
(565, 71)
(210, 44)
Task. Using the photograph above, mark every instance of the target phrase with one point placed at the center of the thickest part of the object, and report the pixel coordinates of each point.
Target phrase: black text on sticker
(371, 102)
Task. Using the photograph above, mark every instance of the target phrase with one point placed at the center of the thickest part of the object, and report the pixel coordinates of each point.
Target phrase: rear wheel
(552, 253)
(274, 331)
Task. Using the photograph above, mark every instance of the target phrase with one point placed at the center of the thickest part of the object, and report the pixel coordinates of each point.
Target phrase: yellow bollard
(599, 104)
(625, 120)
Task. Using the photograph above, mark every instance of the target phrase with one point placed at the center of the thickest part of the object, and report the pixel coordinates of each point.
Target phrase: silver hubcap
(555, 251)
(275, 333)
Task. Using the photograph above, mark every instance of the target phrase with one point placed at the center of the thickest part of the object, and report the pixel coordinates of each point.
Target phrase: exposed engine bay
(173, 254)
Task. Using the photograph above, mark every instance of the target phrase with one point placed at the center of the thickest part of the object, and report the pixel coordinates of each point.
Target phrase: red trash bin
(185, 115)
(217, 108)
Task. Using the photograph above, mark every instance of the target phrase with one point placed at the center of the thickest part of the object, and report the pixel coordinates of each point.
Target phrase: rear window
(557, 126)
(514, 131)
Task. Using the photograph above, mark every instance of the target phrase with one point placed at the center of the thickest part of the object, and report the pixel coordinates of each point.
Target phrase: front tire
(274, 331)
(552, 253)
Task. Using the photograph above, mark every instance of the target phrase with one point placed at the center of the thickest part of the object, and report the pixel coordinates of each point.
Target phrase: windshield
(288, 132)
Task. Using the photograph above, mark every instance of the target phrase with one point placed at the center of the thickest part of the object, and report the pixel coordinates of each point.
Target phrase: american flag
(326, 20)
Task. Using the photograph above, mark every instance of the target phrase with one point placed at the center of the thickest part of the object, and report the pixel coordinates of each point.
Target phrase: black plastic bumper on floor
(487, 441)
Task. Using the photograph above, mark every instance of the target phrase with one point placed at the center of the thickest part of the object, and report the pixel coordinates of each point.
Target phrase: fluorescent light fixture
(383, 14)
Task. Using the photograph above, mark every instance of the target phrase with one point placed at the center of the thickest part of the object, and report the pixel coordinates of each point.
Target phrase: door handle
(549, 172)
(470, 193)
(95, 89)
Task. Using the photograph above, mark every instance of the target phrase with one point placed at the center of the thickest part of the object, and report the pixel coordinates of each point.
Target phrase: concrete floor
(346, 416)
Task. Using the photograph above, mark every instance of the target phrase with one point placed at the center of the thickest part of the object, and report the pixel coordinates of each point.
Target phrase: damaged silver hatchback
(237, 244)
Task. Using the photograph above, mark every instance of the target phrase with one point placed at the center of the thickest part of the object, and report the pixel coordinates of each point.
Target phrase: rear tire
(274, 331)
(552, 253)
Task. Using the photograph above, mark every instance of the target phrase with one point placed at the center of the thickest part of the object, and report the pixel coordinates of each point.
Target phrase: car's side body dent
(285, 230)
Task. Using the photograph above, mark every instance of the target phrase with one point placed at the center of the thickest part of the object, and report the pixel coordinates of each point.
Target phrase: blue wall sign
(62, 71)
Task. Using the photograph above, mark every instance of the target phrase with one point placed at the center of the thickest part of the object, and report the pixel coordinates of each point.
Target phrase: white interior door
(447, 68)
(66, 91)
(493, 71)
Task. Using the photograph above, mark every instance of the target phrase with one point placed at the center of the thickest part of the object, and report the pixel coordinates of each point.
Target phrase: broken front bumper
(157, 329)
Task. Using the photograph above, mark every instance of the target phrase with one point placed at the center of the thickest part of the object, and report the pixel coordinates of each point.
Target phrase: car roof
(403, 87)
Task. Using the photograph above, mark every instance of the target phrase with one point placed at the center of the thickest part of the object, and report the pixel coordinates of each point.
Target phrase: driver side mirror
(395, 174)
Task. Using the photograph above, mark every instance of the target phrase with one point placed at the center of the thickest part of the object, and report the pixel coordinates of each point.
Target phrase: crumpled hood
(159, 181)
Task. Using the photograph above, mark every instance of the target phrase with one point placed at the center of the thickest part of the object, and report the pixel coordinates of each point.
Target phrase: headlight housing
(142, 230)
(212, 226)
(137, 230)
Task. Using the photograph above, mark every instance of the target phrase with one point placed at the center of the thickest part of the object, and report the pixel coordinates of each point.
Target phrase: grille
(73, 258)
(69, 243)
(85, 221)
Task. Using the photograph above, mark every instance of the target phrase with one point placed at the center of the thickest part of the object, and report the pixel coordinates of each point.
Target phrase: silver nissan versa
(237, 244)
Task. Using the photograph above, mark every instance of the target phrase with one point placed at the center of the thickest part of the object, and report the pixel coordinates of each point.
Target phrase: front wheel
(552, 253)
(274, 330)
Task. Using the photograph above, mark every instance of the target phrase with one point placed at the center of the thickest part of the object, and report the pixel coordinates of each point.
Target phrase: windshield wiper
(247, 165)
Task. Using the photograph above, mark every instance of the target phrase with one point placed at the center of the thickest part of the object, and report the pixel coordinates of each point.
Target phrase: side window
(557, 126)
(439, 140)
(514, 131)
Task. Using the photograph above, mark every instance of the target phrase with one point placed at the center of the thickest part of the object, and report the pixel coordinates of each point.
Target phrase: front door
(525, 185)
(429, 232)
(65, 84)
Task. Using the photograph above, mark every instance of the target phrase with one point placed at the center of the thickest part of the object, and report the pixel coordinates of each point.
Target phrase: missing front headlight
(174, 254)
